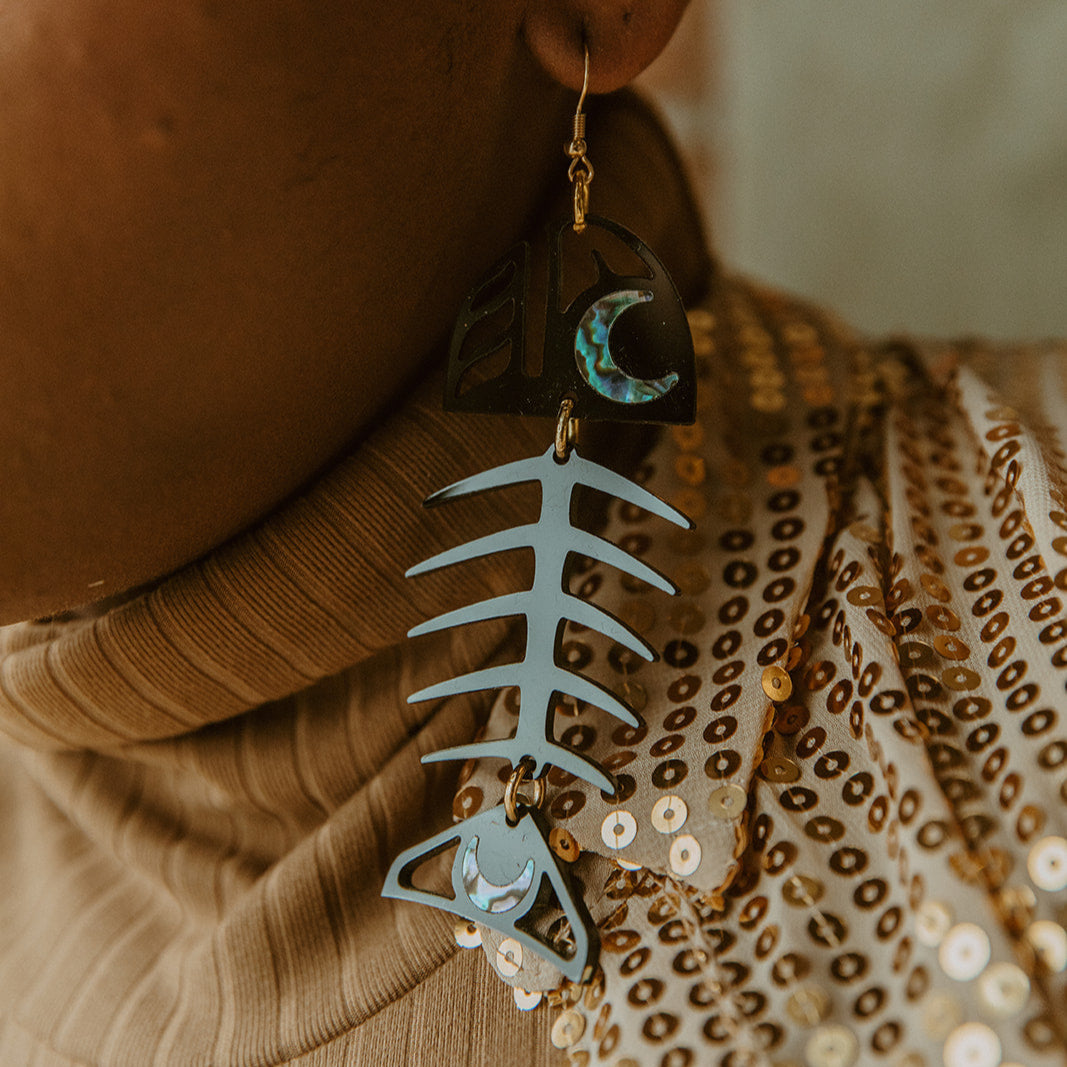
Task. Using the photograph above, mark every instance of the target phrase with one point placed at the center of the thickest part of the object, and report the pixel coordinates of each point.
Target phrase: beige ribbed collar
(316, 588)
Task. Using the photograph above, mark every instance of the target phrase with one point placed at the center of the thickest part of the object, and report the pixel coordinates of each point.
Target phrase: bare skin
(230, 234)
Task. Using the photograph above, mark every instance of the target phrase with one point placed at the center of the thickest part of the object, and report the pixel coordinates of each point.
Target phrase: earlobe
(623, 38)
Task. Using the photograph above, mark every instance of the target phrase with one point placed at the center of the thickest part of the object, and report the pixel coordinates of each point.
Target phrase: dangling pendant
(504, 875)
(504, 871)
(504, 868)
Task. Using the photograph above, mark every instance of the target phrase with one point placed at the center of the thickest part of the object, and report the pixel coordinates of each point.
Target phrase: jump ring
(566, 429)
(516, 780)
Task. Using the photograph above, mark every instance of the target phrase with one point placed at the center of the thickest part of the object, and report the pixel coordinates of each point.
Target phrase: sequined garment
(839, 836)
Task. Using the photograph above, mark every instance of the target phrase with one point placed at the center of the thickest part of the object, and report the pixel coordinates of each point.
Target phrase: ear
(623, 38)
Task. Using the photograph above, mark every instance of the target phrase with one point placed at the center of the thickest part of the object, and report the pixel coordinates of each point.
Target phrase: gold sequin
(935, 587)
(634, 695)
(691, 502)
(1001, 413)
(691, 578)
(688, 438)
(639, 615)
(509, 957)
(818, 395)
(791, 719)
(1016, 906)
(1004, 988)
(467, 935)
(1039, 1032)
(965, 531)
(669, 814)
(865, 532)
(690, 469)
(941, 1014)
(779, 769)
(525, 1000)
(687, 618)
(567, 1030)
(808, 1005)
(951, 647)
(943, 618)
(735, 473)
(832, 1046)
(685, 855)
(1047, 864)
(972, 1045)
(700, 320)
(728, 801)
(768, 400)
(767, 376)
(1049, 941)
(960, 679)
(618, 829)
(777, 684)
(932, 921)
(802, 891)
(783, 477)
(916, 654)
(864, 596)
(562, 842)
(733, 507)
(799, 332)
(964, 951)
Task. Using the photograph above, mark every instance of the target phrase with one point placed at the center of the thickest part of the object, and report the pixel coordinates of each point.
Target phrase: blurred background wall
(903, 162)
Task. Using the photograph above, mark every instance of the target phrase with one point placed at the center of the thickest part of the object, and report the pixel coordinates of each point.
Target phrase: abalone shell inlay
(593, 353)
(486, 896)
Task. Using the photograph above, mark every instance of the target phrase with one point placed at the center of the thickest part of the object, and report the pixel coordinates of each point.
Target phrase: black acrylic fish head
(621, 347)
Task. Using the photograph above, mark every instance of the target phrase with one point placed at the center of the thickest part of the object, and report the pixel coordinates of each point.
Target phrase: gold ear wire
(580, 172)
(585, 88)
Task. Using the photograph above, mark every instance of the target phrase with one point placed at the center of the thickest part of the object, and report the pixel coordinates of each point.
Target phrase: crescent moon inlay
(593, 353)
(486, 896)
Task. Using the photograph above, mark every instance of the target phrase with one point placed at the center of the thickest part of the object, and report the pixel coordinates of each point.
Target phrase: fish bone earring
(504, 875)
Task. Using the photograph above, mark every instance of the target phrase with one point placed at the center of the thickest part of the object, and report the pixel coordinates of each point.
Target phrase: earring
(504, 875)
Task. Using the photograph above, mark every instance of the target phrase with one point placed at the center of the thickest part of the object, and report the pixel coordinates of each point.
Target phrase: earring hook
(585, 83)
(580, 172)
